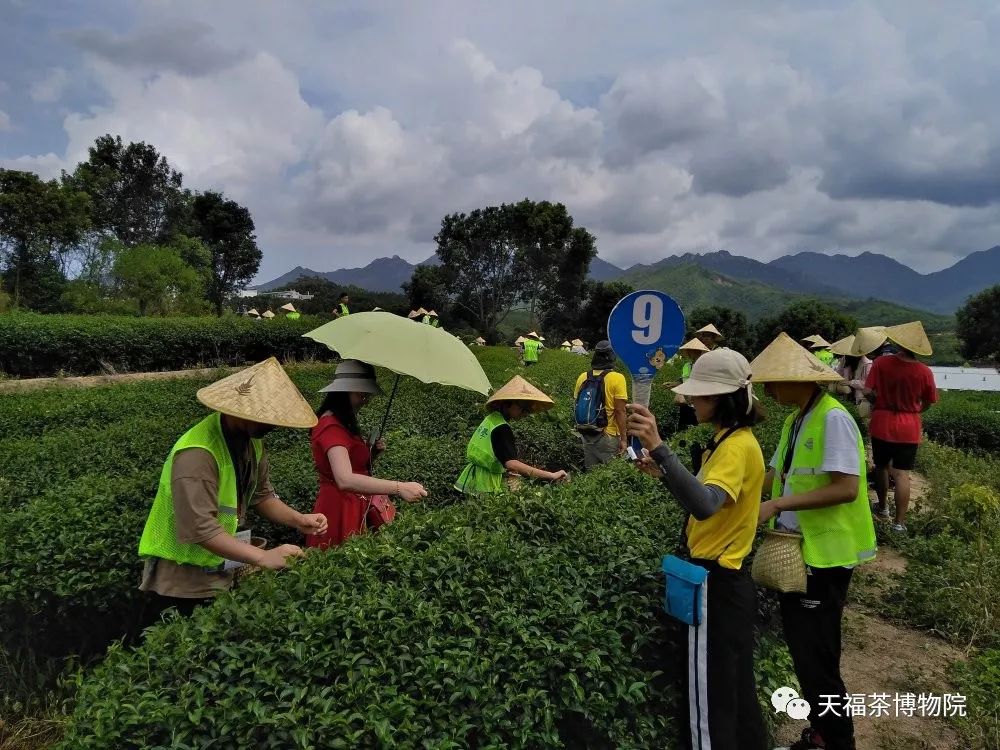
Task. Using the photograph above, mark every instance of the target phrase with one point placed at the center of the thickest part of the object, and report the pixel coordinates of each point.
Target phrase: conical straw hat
(694, 345)
(812, 339)
(413, 314)
(576, 342)
(911, 336)
(432, 314)
(289, 307)
(519, 340)
(480, 340)
(519, 389)
(422, 311)
(784, 361)
(842, 348)
(532, 335)
(565, 343)
(710, 329)
(262, 393)
(819, 342)
(267, 314)
(867, 340)
(253, 311)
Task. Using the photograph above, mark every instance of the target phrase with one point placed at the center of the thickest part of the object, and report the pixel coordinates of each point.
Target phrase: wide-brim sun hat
(785, 361)
(867, 340)
(263, 393)
(820, 343)
(911, 336)
(519, 389)
(842, 347)
(289, 307)
(717, 373)
(709, 330)
(353, 376)
(694, 345)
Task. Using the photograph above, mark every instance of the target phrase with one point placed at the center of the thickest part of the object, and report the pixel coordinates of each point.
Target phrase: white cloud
(50, 88)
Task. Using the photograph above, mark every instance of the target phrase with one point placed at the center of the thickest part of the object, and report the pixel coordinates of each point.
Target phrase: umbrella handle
(385, 417)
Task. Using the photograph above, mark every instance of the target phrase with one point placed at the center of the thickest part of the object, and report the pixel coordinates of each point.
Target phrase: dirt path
(882, 657)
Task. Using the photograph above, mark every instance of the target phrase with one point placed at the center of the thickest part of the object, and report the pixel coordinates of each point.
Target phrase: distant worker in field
(821, 350)
(215, 472)
(600, 397)
(902, 389)
(709, 335)
(342, 310)
(492, 453)
(431, 319)
(531, 344)
(290, 312)
(691, 352)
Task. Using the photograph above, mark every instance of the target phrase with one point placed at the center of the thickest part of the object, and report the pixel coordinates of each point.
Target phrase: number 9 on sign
(647, 317)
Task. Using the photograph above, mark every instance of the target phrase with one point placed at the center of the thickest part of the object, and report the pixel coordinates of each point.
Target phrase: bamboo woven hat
(842, 348)
(267, 314)
(253, 311)
(784, 361)
(533, 335)
(820, 343)
(288, 308)
(694, 345)
(422, 311)
(812, 339)
(911, 336)
(566, 344)
(262, 393)
(519, 389)
(576, 342)
(710, 330)
(867, 340)
(432, 314)
(413, 314)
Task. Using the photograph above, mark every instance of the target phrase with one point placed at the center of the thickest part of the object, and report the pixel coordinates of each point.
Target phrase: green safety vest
(531, 350)
(837, 535)
(686, 370)
(483, 472)
(426, 320)
(825, 356)
(294, 316)
(159, 536)
(343, 309)
(435, 322)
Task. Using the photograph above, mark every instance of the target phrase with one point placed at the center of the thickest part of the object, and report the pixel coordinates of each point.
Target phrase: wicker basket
(778, 563)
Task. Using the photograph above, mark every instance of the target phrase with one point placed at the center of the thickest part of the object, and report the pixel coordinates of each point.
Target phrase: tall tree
(732, 323)
(135, 194)
(427, 288)
(978, 326)
(804, 318)
(39, 222)
(590, 322)
(227, 229)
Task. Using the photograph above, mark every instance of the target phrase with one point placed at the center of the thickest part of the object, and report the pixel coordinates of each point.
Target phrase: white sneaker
(898, 528)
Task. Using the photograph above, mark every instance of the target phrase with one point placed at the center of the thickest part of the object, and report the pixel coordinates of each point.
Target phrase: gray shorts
(598, 449)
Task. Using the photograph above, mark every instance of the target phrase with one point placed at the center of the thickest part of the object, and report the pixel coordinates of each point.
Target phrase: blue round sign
(646, 328)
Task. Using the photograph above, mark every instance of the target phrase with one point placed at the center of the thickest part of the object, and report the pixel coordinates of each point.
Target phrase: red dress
(344, 511)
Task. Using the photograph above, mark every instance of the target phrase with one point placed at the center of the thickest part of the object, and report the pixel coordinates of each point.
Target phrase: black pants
(155, 605)
(722, 693)
(812, 631)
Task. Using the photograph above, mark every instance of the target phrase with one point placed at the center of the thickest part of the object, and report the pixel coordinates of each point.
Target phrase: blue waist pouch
(685, 587)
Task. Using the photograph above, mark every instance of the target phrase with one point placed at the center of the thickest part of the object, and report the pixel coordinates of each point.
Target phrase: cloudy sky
(350, 129)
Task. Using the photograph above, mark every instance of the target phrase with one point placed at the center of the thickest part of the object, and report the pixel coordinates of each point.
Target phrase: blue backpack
(591, 416)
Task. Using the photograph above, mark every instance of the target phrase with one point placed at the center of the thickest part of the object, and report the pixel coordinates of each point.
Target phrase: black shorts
(902, 456)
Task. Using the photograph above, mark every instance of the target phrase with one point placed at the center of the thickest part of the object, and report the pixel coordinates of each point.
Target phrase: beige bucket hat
(519, 389)
(842, 347)
(353, 376)
(288, 308)
(267, 314)
(717, 373)
(710, 330)
(785, 361)
(911, 336)
(263, 393)
(694, 345)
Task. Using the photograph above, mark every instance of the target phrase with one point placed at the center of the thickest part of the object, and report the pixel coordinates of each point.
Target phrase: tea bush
(979, 681)
(970, 421)
(33, 345)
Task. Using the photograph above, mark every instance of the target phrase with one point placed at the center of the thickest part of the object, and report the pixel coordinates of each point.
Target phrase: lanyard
(794, 437)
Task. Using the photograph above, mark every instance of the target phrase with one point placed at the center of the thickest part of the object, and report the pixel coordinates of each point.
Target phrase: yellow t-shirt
(737, 468)
(614, 388)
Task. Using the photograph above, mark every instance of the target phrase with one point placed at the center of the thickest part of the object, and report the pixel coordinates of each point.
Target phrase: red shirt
(902, 389)
(344, 511)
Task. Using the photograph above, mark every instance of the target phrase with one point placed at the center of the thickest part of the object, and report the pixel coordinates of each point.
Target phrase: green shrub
(34, 345)
(970, 421)
(978, 680)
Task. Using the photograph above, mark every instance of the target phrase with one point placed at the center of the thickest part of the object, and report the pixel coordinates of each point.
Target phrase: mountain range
(744, 283)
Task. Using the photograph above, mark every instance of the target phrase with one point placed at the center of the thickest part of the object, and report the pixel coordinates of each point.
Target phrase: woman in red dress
(343, 459)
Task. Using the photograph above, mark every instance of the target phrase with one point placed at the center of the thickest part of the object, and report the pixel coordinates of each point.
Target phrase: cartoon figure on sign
(657, 359)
